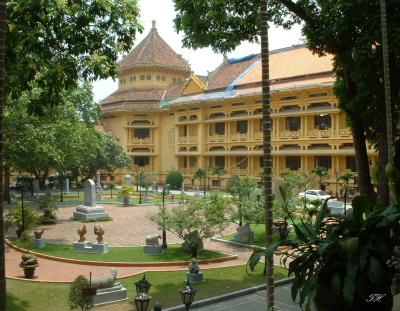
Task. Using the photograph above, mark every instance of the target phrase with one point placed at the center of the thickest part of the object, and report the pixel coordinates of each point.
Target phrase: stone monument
(83, 246)
(89, 211)
(194, 276)
(128, 180)
(109, 290)
(154, 186)
(152, 247)
(38, 241)
(244, 234)
(99, 188)
(36, 188)
(66, 186)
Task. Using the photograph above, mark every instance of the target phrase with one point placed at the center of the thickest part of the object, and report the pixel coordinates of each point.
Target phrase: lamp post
(336, 176)
(61, 188)
(164, 232)
(142, 298)
(187, 295)
(22, 208)
(140, 187)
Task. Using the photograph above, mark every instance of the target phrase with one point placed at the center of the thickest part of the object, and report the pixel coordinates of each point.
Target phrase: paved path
(129, 227)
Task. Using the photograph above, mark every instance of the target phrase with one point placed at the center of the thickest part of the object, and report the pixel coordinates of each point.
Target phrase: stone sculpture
(152, 240)
(105, 281)
(38, 234)
(108, 289)
(81, 233)
(152, 246)
(194, 276)
(99, 231)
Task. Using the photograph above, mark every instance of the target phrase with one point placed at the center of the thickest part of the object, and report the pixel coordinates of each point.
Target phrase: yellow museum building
(167, 118)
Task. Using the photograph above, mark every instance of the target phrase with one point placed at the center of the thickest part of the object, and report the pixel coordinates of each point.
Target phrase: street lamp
(140, 187)
(164, 232)
(142, 286)
(142, 301)
(22, 208)
(187, 294)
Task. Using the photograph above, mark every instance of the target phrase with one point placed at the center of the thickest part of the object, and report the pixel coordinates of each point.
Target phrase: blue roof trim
(241, 59)
(231, 86)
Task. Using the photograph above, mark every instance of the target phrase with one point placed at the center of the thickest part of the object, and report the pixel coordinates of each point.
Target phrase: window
(141, 161)
(216, 183)
(142, 77)
(241, 127)
(130, 79)
(220, 162)
(141, 133)
(293, 163)
(324, 161)
(242, 162)
(220, 128)
(148, 77)
(318, 94)
(288, 97)
(158, 78)
(351, 163)
(112, 178)
(261, 159)
(293, 123)
(323, 121)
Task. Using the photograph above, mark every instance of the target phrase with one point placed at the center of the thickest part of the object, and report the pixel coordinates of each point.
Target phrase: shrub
(48, 209)
(76, 300)
(14, 217)
(174, 179)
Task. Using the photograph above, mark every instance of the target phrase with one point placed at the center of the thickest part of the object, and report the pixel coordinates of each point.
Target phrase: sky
(201, 60)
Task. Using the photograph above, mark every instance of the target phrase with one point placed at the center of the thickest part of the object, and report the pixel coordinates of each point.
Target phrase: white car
(314, 195)
(337, 207)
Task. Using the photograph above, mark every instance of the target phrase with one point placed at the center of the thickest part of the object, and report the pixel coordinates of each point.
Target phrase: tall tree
(52, 43)
(3, 30)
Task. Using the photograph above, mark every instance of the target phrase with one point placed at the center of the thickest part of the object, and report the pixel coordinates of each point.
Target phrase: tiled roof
(175, 90)
(135, 94)
(153, 50)
(227, 72)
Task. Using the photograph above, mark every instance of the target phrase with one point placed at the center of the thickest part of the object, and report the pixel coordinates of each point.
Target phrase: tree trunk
(362, 162)
(267, 156)
(3, 31)
(383, 186)
(7, 175)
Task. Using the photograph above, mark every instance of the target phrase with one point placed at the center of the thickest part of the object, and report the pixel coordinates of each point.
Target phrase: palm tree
(3, 30)
(321, 172)
(200, 174)
(346, 178)
(267, 156)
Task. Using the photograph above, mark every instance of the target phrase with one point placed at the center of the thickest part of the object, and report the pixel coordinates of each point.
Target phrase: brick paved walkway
(129, 227)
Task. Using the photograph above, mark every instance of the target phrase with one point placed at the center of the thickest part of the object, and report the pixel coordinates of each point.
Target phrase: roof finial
(153, 24)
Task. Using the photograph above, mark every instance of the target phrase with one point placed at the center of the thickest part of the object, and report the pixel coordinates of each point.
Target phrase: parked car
(337, 207)
(314, 195)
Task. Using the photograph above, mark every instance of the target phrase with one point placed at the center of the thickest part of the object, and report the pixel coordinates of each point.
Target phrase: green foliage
(321, 172)
(48, 209)
(14, 217)
(174, 179)
(331, 251)
(76, 300)
(125, 192)
(207, 216)
(248, 200)
(73, 39)
(232, 184)
(218, 170)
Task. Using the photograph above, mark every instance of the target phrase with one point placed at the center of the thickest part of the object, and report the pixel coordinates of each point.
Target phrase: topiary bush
(76, 300)
(174, 179)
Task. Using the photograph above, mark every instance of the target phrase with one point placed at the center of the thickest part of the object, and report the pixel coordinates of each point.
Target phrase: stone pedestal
(39, 243)
(152, 250)
(194, 278)
(66, 185)
(85, 213)
(90, 248)
(128, 180)
(244, 234)
(110, 295)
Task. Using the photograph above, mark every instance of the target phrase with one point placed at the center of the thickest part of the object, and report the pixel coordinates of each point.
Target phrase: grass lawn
(259, 235)
(121, 254)
(32, 296)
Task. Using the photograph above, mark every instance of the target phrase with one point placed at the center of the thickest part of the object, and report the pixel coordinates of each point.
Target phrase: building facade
(167, 118)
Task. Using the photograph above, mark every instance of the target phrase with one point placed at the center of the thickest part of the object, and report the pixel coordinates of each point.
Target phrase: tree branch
(299, 11)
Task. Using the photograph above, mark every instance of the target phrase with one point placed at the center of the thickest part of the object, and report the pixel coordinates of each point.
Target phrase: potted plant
(125, 193)
(343, 262)
(28, 264)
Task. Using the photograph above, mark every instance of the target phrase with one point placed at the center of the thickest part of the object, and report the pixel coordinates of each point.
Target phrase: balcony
(188, 140)
(238, 137)
(345, 132)
(216, 138)
(140, 141)
(320, 133)
(238, 171)
(289, 134)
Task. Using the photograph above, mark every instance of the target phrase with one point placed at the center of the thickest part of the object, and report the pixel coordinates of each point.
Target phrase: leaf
(375, 271)
(254, 259)
(336, 283)
(349, 282)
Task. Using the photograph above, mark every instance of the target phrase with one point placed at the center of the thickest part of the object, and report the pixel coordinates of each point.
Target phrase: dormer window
(142, 77)
(148, 77)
